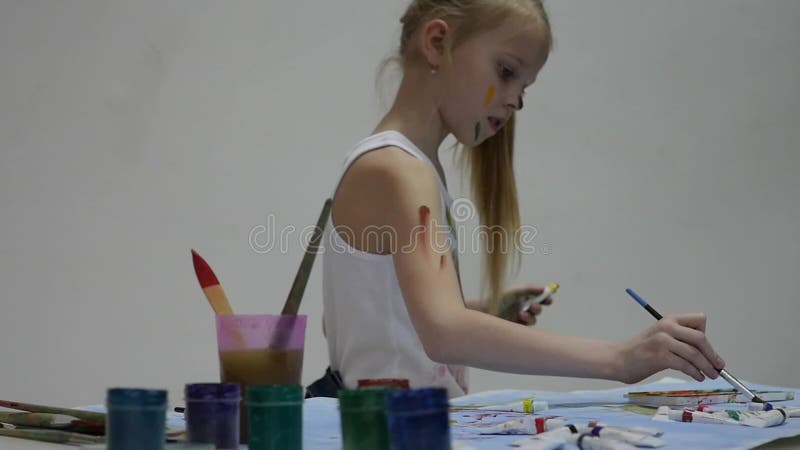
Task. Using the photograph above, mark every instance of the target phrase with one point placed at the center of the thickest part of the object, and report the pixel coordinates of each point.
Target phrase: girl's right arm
(450, 333)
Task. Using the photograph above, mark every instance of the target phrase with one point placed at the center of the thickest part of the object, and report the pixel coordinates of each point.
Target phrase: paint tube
(527, 405)
(545, 440)
(758, 406)
(541, 444)
(587, 441)
(688, 415)
(758, 419)
(635, 439)
(649, 431)
(662, 414)
(791, 411)
(526, 425)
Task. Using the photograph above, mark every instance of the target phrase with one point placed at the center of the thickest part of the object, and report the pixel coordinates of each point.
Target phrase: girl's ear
(434, 37)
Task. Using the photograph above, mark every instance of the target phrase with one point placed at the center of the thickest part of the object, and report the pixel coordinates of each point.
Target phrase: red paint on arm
(424, 218)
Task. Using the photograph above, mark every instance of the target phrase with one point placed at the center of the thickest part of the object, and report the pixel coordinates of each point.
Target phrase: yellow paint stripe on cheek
(489, 96)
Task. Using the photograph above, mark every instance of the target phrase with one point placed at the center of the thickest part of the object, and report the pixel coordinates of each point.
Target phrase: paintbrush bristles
(211, 287)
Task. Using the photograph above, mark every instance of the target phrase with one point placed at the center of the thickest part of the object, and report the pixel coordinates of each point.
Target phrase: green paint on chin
(477, 130)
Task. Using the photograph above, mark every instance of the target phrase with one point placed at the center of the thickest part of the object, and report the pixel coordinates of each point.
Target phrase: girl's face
(486, 81)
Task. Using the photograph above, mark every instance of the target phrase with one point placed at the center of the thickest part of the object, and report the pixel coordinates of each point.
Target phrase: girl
(393, 306)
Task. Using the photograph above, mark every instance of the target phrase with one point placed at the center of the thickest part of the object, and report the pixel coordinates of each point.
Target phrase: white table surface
(7, 443)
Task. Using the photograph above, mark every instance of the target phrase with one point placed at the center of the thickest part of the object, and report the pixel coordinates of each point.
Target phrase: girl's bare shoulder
(379, 186)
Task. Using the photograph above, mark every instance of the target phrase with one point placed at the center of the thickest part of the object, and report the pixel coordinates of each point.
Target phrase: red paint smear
(204, 273)
(424, 218)
(424, 215)
(539, 421)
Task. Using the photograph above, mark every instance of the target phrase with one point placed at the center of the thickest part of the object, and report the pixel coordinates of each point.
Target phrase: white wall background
(659, 151)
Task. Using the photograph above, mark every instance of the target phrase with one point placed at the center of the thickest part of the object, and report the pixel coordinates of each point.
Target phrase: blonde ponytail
(491, 167)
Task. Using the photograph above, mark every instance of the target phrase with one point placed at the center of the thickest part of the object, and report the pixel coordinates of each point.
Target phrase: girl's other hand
(512, 300)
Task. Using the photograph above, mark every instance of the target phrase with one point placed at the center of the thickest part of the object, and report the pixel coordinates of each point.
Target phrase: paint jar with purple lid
(418, 419)
(136, 419)
(212, 414)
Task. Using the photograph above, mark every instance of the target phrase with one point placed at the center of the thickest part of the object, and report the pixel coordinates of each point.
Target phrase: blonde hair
(490, 164)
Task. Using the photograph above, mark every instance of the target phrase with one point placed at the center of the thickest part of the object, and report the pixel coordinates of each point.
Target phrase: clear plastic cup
(257, 350)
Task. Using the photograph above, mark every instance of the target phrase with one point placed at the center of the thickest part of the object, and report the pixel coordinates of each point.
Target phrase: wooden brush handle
(292, 304)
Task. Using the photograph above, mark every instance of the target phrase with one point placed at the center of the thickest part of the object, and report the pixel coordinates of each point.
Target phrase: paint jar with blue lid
(212, 414)
(275, 417)
(363, 419)
(136, 419)
(418, 419)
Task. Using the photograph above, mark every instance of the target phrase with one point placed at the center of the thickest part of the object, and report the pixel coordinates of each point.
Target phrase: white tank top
(369, 332)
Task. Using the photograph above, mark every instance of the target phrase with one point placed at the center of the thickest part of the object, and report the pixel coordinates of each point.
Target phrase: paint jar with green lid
(275, 417)
(363, 419)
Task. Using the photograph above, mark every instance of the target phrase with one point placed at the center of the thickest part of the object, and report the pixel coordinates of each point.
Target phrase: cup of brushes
(253, 350)
(261, 350)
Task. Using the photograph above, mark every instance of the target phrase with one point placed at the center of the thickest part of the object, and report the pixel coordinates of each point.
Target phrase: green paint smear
(637, 409)
(477, 130)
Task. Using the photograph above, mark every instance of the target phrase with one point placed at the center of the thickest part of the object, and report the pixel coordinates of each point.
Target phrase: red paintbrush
(211, 287)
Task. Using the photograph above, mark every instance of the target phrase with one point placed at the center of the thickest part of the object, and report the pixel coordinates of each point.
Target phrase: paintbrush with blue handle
(723, 373)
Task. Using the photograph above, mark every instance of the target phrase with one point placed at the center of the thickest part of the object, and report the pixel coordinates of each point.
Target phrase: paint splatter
(424, 216)
(427, 235)
(477, 130)
(637, 409)
(489, 96)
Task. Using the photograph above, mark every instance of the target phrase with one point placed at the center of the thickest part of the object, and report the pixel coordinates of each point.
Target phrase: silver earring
(433, 70)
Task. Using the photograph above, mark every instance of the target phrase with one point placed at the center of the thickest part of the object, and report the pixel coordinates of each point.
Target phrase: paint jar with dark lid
(212, 414)
(399, 383)
(136, 419)
(275, 417)
(363, 420)
(418, 419)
